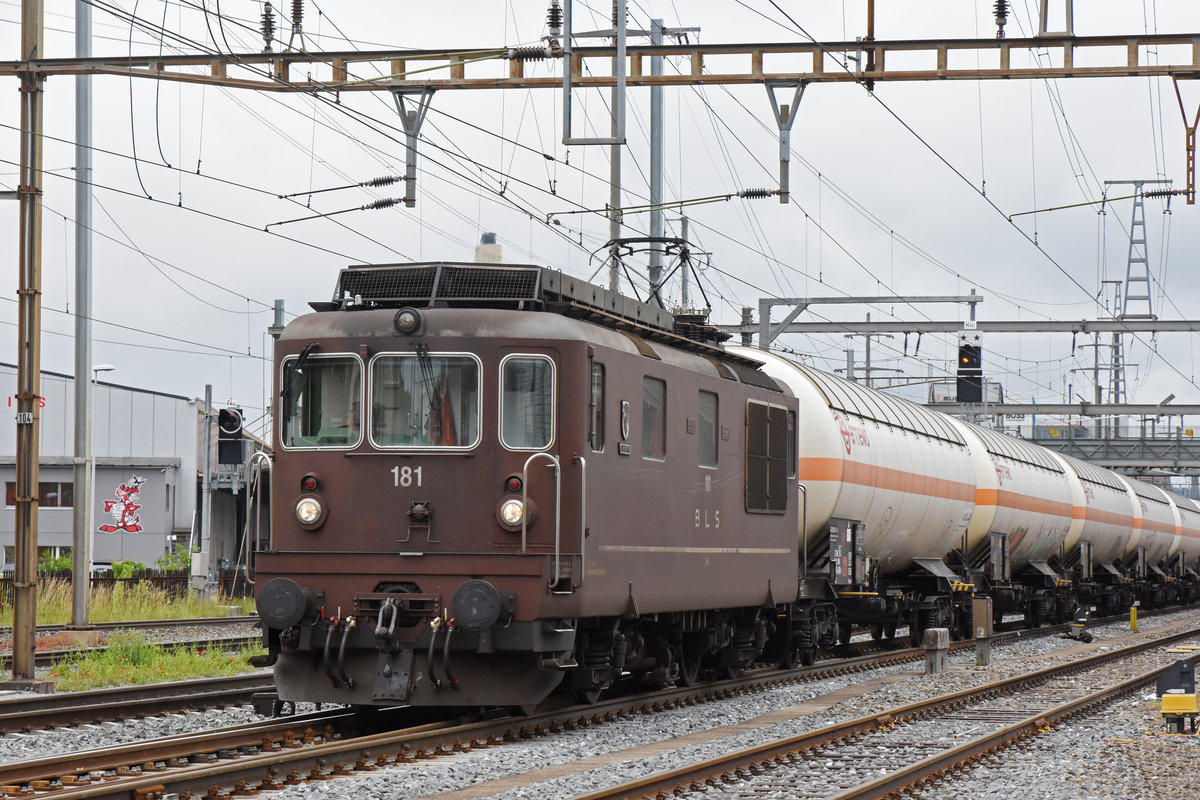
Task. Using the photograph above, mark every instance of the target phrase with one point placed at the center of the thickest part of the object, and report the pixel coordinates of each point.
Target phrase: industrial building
(149, 464)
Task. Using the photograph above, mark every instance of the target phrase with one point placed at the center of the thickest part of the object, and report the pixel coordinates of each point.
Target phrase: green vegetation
(123, 602)
(180, 559)
(130, 658)
(126, 568)
(51, 563)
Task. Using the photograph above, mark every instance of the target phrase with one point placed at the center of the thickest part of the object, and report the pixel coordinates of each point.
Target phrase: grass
(130, 658)
(121, 603)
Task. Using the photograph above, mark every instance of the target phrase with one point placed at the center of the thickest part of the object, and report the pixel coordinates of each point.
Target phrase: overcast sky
(887, 191)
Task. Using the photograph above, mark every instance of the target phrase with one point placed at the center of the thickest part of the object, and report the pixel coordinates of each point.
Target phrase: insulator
(756, 194)
(1001, 17)
(387, 202)
(297, 13)
(268, 26)
(530, 53)
(554, 18)
(386, 180)
(1160, 193)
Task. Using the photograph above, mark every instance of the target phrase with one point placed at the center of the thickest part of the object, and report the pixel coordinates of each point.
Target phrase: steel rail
(141, 623)
(1032, 725)
(99, 705)
(742, 763)
(44, 658)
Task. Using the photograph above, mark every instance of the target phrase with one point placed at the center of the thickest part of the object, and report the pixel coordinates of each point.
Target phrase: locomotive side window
(322, 402)
(526, 402)
(767, 450)
(424, 400)
(654, 418)
(706, 429)
(596, 435)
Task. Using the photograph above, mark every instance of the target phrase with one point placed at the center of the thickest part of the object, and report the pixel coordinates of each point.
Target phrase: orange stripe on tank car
(856, 472)
(1021, 502)
(1110, 518)
(819, 469)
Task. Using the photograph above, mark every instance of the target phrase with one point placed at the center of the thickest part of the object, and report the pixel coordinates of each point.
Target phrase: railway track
(27, 713)
(916, 744)
(274, 753)
(45, 658)
(138, 624)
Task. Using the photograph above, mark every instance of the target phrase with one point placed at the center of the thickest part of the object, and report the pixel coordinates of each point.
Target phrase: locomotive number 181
(406, 476)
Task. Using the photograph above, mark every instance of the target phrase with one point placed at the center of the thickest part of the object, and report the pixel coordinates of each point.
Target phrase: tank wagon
(492, 481)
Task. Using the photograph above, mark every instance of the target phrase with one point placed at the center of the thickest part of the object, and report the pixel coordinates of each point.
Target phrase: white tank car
(1103, 511)
(1189, 527)
(904, 471)
(1156, 522)
(1023, 492)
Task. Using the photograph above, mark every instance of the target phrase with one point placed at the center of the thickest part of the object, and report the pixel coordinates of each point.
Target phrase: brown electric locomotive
(490, 481)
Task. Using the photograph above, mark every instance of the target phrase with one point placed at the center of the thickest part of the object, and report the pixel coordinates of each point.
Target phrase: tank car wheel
(525, 710)
(689, 666)
(588, 697)
(877, 632)
(808, 656)
(845, 631)
(889, 631)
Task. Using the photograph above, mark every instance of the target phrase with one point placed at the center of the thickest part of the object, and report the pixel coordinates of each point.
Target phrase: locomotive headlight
(512, 512)
(309, 511)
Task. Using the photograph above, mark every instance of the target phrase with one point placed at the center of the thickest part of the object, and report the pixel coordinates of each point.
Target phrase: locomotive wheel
(808, 656)
(889, 630)
(877, 632)
(845, 630)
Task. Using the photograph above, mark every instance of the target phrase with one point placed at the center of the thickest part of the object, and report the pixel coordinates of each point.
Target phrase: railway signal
(229, 436)
(970, 372)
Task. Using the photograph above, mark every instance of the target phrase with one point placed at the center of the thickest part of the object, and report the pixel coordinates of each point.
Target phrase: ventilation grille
(425, 284)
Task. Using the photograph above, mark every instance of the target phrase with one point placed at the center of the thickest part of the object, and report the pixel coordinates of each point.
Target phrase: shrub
(126, 568)
(179, 560)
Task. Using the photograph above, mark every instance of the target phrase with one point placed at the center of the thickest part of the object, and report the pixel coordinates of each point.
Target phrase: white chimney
(487, 251)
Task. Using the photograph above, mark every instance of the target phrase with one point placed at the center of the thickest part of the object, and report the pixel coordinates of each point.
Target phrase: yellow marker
(1133, 618)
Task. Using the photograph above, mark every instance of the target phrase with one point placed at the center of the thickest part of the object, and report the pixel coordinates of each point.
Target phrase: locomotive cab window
(526, 402)
(707, 428)
(767, 452)
(424, 400)
(322, 402)
(654, 419)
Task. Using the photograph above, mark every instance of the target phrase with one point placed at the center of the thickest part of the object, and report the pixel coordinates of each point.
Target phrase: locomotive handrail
(582, 518)
(254, 469)
(525, 502)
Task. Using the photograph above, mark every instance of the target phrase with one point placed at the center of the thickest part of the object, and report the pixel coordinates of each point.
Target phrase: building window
(527, 402)
(597, 433)
(50, 495)
(707, 428)
(766, 458)
(654, 418)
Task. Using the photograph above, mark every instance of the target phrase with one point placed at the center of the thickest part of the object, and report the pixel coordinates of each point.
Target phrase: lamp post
(96, 370)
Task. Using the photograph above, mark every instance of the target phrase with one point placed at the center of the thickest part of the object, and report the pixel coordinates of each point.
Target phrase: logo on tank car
(1003, 471)
(1089, 495)
(852, 434)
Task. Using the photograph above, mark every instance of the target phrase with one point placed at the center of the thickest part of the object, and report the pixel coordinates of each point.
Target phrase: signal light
(308, 483)
(513, 484)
